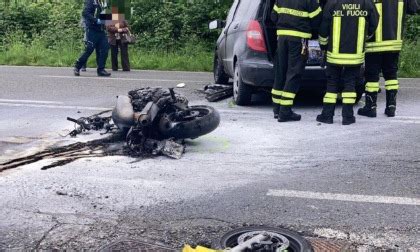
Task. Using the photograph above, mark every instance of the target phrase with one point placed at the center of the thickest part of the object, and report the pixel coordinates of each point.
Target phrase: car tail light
(255, 37)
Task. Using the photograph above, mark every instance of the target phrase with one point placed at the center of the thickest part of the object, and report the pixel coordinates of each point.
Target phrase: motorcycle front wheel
(195, 122)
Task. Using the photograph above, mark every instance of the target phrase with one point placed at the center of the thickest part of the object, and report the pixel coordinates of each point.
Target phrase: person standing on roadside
(383, 52)
(83, 25)
(118, 41)
(344, 28)
(296, 21)
(96, 38)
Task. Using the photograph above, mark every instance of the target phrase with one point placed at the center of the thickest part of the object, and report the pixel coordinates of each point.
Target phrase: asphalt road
(358, 184)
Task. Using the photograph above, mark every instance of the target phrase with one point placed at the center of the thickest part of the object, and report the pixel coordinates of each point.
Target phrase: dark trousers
(125, 62)
(95, 40)
(289, 65)
(345, 76)
(385, 62)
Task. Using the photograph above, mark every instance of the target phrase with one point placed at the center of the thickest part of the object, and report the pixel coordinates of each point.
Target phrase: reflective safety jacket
(297, 18)
(388, 36)
(344, 29)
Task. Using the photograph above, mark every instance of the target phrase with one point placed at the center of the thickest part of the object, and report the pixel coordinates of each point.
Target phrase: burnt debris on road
(151, 121)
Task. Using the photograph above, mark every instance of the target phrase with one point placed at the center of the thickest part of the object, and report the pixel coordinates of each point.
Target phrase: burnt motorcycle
(158, 114)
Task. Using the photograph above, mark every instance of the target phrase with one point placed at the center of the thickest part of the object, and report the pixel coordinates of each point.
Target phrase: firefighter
(96, 38)
(295, 20)
(382, 54)
(342, 34)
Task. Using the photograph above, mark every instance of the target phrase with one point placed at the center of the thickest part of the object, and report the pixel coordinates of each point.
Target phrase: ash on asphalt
(109, 146)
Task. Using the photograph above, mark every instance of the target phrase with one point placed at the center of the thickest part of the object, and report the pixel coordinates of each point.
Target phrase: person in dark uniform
(118, 41)
(83, 25)
(96, 38)
(295, 20)
(383, 52)
(344, 28)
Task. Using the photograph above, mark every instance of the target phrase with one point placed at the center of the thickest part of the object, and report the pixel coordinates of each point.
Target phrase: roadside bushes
(168, 25)
(49, 33)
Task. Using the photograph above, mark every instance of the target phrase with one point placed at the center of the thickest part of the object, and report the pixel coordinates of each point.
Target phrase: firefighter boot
(286, 114)
(276, 110)
(327, 114)
(391, 102)
(369, 109)
(348, 114)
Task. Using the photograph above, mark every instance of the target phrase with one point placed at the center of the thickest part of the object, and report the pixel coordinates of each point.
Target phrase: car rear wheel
(242, 93)
(220, 77)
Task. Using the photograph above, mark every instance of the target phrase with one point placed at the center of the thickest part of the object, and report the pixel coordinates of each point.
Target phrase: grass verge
(63, 56)
(189, 59)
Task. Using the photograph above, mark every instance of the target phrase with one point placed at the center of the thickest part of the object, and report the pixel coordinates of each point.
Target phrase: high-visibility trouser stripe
(400, 19)
(323, 41)
(349, 100)
(315, 13)
(330, 98)
(294, 34)
(276, 101)
(361, 35)
(372, 87)
(288, 95)
(284, 102)
(378, 33)
(349, 97)
(349, 94)
(392, 85)
(276, 92)
(336, 34)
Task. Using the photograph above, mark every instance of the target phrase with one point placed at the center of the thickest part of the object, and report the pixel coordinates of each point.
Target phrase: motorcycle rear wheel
(199, 121)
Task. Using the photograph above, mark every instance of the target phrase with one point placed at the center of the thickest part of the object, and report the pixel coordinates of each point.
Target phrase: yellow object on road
(188, 248)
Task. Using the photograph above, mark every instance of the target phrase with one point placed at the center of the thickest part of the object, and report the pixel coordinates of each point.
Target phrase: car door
(222, 39)
(233, 31)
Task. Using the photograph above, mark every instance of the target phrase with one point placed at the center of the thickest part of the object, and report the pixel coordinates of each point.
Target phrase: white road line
(408, 117)
(122, 79)
(30, 101)
(94, 69)
(344, 197)
(52, 106)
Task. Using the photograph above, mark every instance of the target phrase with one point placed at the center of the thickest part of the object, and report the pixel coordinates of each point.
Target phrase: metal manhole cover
(135, 246)
(320, 245)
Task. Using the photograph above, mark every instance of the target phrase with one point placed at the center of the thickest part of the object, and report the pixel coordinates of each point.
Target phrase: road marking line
(30, 101)
(123, 79)
(52, 106)
(344, 197)
(94, 69)
(408, 117)
(405, 121)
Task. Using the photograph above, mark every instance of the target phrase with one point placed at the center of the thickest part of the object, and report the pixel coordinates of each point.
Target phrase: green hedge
(52, 28)
(168, 25)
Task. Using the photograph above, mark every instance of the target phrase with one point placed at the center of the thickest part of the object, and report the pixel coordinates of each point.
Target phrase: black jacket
(91, 14)
(344, 29)
(298, 18)
(388, 36)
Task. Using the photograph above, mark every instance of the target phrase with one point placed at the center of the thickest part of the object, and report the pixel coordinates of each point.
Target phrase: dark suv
(246, 47)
